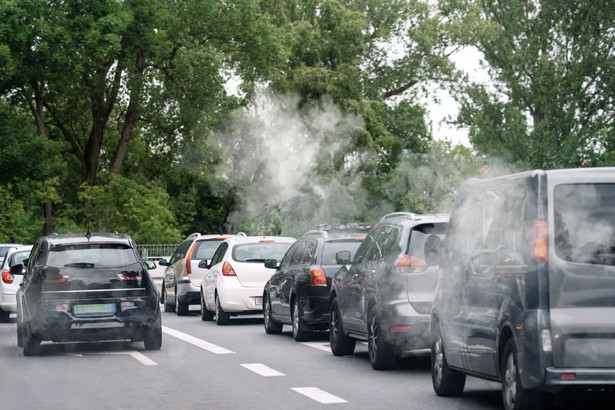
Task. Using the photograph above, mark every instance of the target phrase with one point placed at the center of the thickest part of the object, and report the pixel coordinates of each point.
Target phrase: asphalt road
(202, 365)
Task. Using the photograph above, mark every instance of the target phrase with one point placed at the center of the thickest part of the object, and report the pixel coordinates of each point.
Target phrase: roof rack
(324, 229)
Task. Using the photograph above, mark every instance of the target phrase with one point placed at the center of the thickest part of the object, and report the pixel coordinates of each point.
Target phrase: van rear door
(582, 268)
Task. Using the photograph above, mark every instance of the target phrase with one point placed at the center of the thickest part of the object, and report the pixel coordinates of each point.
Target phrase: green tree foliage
(551, 62)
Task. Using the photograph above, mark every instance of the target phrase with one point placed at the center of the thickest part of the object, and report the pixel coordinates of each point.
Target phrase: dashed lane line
(318, 395)
(318, 345)
(262, 370)
(196, 341)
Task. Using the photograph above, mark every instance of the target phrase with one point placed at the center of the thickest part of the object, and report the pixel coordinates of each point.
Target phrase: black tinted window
(91, 255)
(585, 223)
(333, 247)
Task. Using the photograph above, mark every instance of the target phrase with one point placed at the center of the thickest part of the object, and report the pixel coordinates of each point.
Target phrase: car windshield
(258, 252)
(585, 223)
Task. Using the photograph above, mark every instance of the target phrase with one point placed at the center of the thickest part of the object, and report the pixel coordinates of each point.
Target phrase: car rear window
(585, 223)
(420, 234)
(258, 252)
(333, 247)
(205, 249)
(91, 255)
(18, 257)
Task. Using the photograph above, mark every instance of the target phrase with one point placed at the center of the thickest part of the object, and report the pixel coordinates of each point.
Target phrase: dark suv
(385, 296)
(86, 288)
(526, 294)
(298, 293)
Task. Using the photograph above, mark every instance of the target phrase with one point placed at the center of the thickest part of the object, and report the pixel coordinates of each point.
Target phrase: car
(526, 294)
(182, 276)
(86, 287)
(10, 283)
(237, 274)
(297, 294)
(384, 297)
(5, 247)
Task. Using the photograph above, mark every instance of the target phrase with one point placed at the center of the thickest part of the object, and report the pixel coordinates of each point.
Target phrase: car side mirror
(205, 264)
(17, 269)
(163, 262)
(433, 250)
(149, 265)
(271, 263)
(342, 258)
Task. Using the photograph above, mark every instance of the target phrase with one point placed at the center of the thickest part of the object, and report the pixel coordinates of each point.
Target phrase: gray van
(526, 291)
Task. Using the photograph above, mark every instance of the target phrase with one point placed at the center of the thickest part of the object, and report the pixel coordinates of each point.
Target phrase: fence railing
(157, 251)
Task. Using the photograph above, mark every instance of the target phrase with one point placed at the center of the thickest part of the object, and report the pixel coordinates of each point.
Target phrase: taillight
(318, 277)
(7, 277)
(540, 250)
(127, 277)
(188, 258)
(127, 305)
(57, 279)
(405, 260)
(227, 269)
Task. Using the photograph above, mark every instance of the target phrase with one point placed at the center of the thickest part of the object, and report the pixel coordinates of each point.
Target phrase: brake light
(400, 328)
(568, 375)
(318, 277)
(540, 241)
(58, 279)
(7, 277)
(405, 260)
(266, 241)
(227, 269)
(188, 258)
(126, 277)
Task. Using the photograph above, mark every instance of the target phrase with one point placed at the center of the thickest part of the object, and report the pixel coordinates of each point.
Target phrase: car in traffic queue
(182, 276)
(86, 287)
(237, 274)
(385, 296)
(526, 292)
(297, 294)
(5, 247)
(10, 282)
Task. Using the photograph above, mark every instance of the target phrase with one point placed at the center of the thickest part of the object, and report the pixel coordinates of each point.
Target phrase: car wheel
(4, 316)
(206, 314)
(514, 396)
(381, 354)
(271, 327)
(340, 343)
(167, 306)
(153, 336)
(181, 308)
(221, 317)
(300, 331)
(446, 382)
(31, 343)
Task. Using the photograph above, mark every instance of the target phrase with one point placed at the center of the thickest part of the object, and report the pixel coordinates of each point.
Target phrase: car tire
(152, 339)
(167, 306)
(514, 396)
(271, 327)
(4, 316)
(221, 317)
(206, 314)
(19, 334)
(340, 343)
(446, 382)
(381, 354)
(300, 331)
(181, 308)
(31, 343)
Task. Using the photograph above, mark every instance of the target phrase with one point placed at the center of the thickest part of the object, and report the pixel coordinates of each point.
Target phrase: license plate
(94, 309)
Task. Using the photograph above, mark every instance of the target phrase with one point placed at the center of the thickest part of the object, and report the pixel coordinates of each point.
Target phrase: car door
(209, 280)
(171, 270)
(279, 288)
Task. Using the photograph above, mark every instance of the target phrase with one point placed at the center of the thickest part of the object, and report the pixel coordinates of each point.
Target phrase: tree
(552, 103)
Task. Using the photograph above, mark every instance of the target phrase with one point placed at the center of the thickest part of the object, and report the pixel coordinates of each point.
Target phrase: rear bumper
(315, 310)
(189, 293)
(405, 328)
(235, 298)
(558, 378)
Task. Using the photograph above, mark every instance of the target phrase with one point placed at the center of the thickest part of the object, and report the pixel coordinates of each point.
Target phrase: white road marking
(263, 370)
(196, 341)
(325, 347)
(320, 396)
(137, 355)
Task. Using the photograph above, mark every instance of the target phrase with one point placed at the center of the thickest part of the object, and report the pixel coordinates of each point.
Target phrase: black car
(526, 295)
(298, 293)
(86, 287)
(385, 296)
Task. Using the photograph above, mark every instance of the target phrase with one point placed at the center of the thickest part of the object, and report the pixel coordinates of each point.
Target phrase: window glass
(205, 249)
(298, 254)
(289, 254)
(419, 236)
(362, 253)
(585, 223)
(180, 252)
(219, 254)
(18, 257)
(258, 252)
(309, 253)
(333, 247)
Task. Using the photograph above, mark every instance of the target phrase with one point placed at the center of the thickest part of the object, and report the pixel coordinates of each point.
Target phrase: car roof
(412, 218)
(257, 239)
(56, 239)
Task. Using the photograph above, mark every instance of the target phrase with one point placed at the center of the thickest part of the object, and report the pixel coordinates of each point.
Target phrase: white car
(237, 275)
(9, 283)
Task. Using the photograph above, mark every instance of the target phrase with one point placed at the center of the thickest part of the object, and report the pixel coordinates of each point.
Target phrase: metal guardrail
(157, 251)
